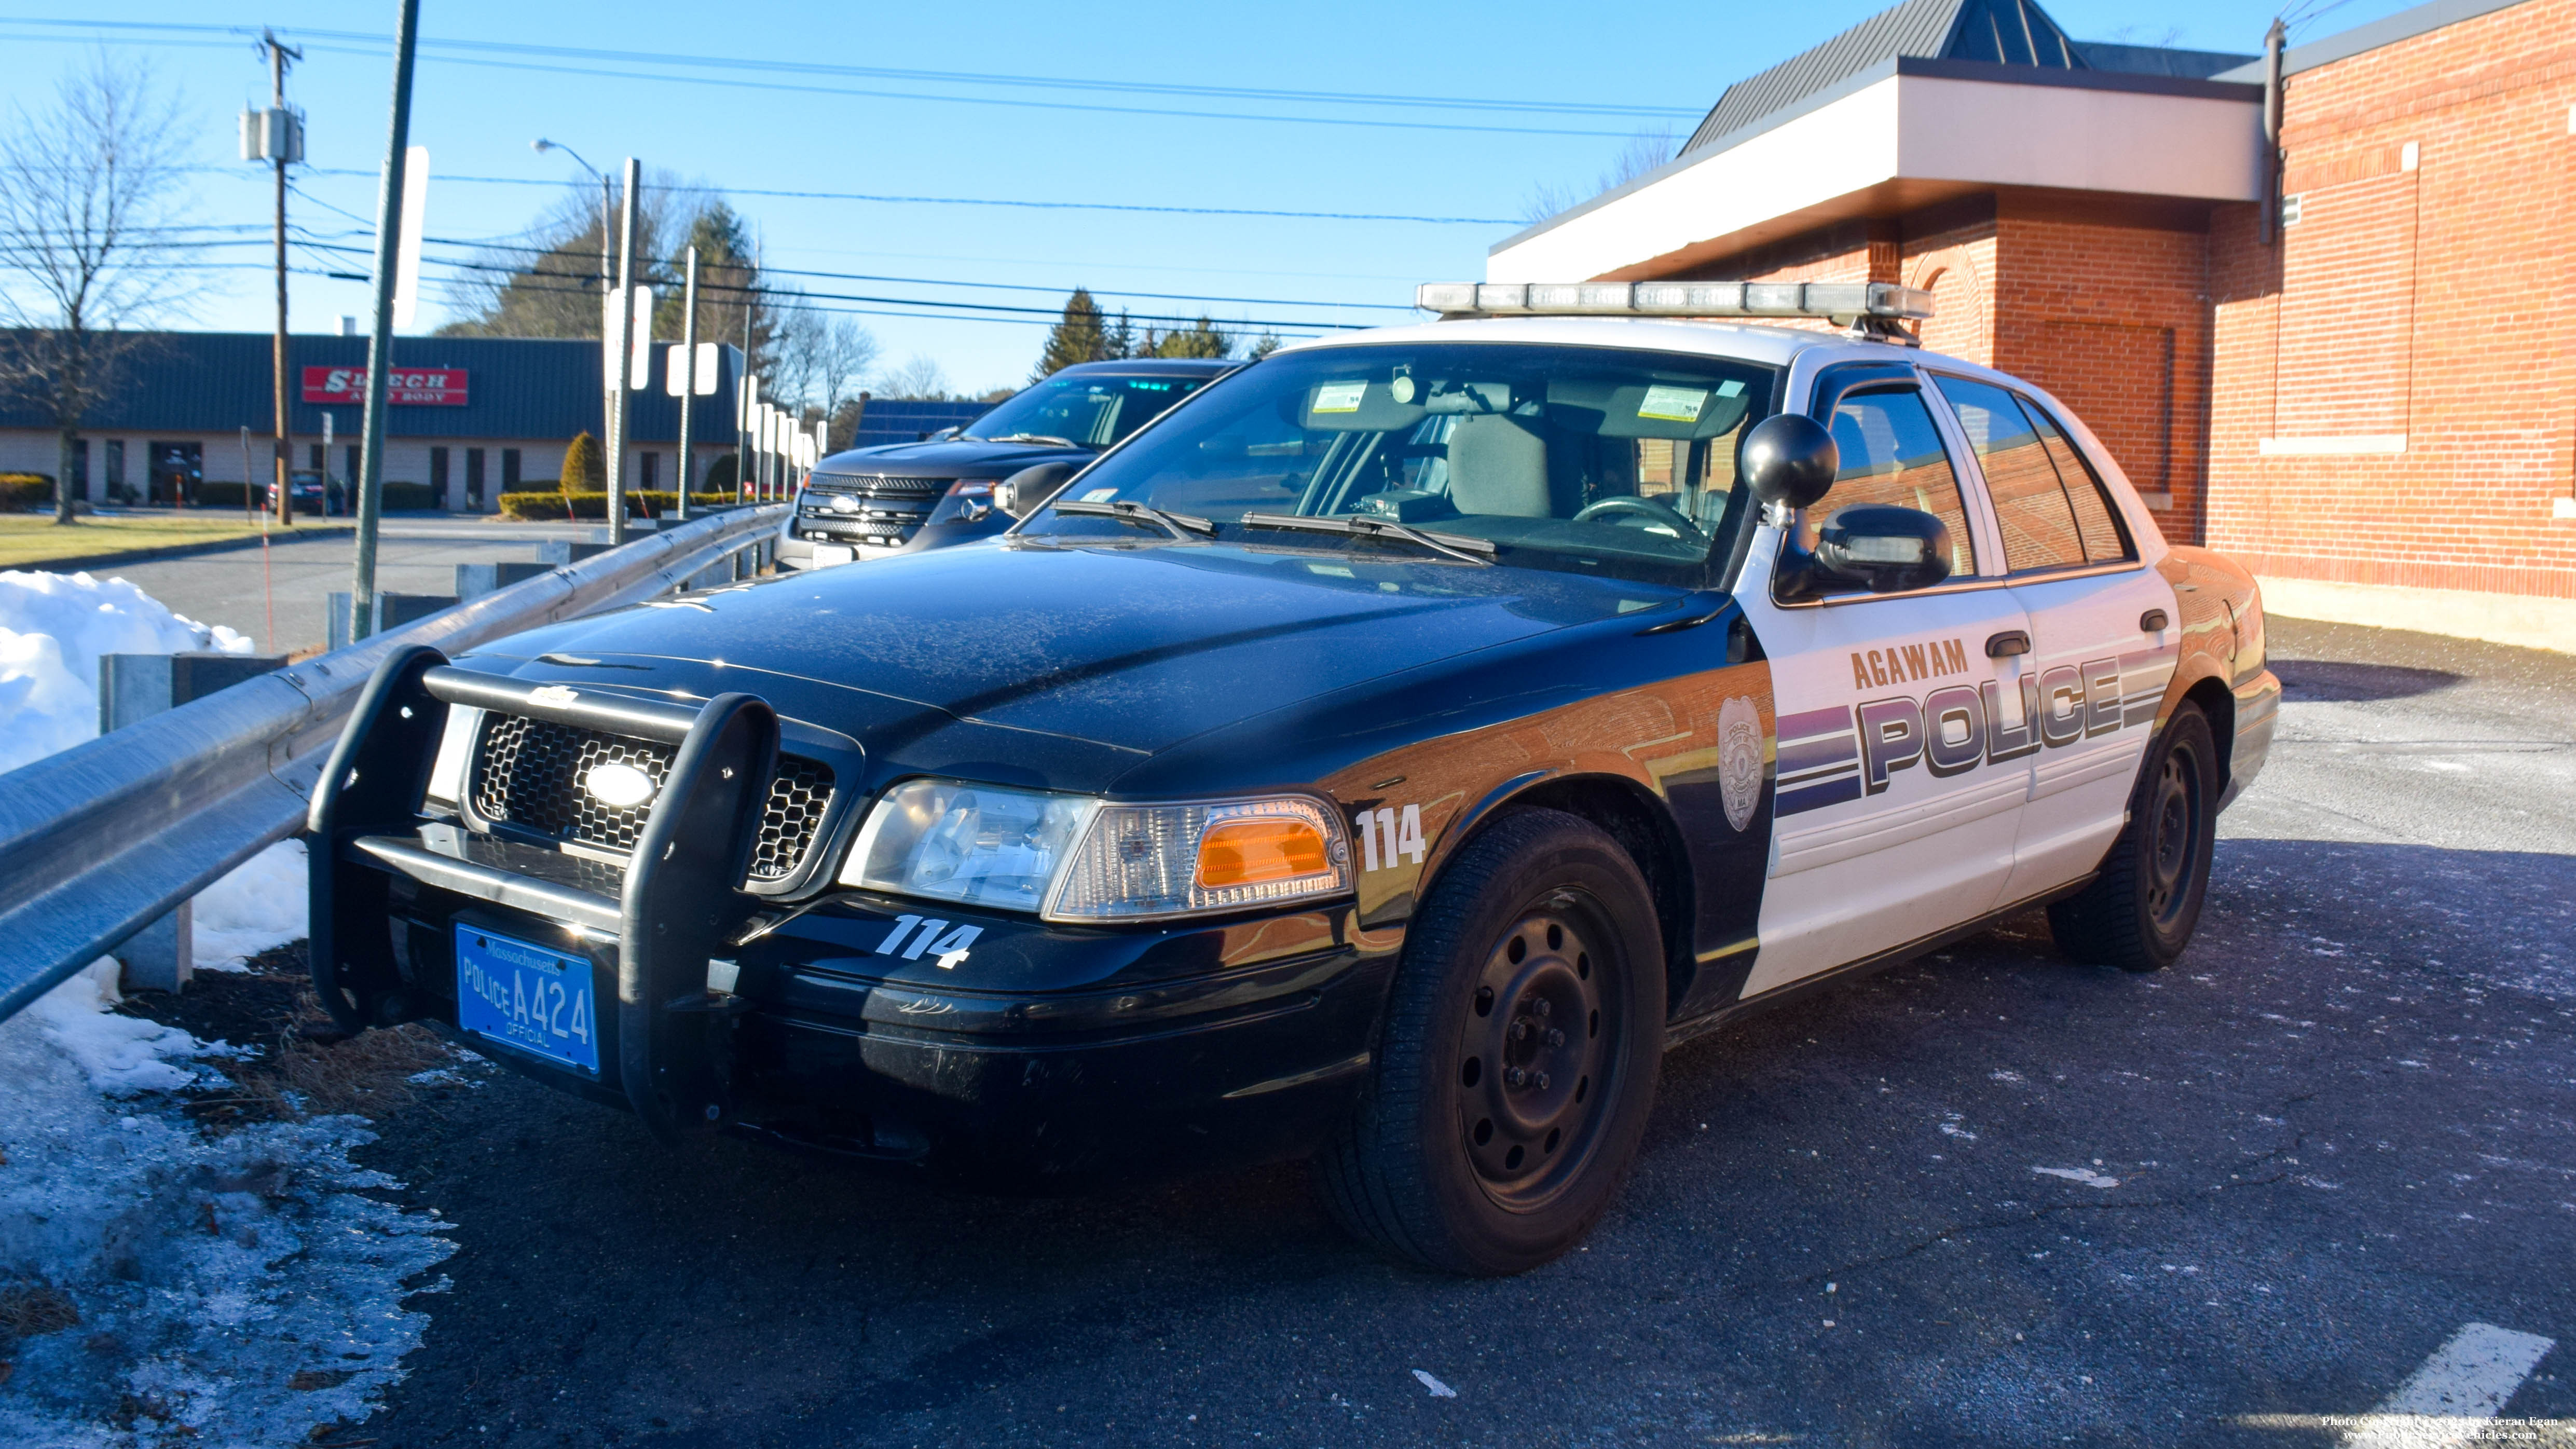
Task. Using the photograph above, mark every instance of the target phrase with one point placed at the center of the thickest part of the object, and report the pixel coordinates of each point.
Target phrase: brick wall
(2418, 296)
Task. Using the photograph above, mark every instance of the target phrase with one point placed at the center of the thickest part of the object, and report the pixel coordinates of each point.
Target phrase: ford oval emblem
(619, 787)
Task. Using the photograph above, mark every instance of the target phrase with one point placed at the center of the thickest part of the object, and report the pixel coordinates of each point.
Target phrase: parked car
(311, 492)
(869, 502)
(1383, 759)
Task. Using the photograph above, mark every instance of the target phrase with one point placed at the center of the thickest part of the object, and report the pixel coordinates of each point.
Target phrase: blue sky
(939, 136)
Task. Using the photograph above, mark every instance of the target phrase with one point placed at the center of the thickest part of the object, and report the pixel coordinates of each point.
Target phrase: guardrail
(102, 839)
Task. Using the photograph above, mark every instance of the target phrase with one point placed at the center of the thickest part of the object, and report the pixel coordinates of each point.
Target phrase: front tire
(1517, 1068)
(2140, 912)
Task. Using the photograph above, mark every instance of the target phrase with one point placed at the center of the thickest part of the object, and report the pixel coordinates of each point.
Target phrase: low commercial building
(2338, 362)
(470, 417)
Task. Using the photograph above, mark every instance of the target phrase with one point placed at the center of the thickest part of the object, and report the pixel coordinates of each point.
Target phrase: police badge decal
(1739, 759)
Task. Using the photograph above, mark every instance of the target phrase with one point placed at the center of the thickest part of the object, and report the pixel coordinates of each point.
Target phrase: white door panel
(2100, 678)
(1890, 821)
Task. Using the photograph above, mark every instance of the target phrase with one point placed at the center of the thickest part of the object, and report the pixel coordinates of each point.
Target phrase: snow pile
(211, 1291)
(260, 905)
(53, 628)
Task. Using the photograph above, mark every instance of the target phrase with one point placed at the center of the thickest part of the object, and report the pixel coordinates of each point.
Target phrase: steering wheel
(1654, 508)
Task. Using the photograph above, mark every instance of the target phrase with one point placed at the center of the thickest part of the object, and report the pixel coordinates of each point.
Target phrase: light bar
(1841, 301)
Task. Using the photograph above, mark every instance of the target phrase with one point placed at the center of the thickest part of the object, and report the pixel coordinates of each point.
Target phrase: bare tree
(1644, 151)
(90, 204)
(839, 351)
(919, 377)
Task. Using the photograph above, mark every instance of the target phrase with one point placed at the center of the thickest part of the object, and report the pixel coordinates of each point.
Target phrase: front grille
(878, 487)
(530, 776)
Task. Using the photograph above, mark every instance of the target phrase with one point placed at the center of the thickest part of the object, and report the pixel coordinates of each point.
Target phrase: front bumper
(1042, 1052)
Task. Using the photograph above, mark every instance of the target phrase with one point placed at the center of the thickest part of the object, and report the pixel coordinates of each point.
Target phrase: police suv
(1383, 757)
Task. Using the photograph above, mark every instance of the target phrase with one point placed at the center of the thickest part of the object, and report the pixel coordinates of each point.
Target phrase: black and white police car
(1383, 757)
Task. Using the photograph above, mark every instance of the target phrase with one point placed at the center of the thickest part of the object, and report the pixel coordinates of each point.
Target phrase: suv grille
(879, 487)
(530, 776)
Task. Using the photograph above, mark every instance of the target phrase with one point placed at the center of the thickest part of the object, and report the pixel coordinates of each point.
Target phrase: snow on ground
(229, 1290)
(53, 628)
(159, 1284)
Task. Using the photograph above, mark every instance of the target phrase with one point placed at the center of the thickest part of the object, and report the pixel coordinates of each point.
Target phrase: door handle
(2153, 621)
(2007, 644)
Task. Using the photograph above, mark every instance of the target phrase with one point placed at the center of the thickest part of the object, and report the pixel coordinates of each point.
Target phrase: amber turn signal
(1252, 851)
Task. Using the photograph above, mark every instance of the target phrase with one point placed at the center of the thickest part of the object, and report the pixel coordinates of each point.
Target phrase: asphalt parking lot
(1989, 1198)
(241, 589)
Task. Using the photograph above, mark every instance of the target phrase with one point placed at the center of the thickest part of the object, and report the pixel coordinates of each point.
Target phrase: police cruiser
(1383, 757)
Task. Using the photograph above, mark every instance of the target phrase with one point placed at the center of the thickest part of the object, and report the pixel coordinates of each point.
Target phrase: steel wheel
(2139, 912)
(1534, 1044)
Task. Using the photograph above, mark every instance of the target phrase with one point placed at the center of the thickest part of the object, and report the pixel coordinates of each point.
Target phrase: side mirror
(1026, 491)
(1789, 460)
(1884, 548)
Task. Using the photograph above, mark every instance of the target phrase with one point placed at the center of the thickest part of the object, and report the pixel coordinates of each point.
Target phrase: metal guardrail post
(99, 840)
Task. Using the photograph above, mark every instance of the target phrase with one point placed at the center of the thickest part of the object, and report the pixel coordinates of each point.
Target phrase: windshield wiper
(1455, 545)
(1178, 525)
(1034, 438)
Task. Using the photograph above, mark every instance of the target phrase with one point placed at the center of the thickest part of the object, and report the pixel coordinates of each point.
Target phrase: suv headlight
(1074, 858)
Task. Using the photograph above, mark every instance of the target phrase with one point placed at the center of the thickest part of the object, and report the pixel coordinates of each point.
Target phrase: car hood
(1132, 648)
(956, 458)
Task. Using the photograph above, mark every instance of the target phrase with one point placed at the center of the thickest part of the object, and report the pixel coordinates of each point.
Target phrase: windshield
(1093, 410)
(1580, 458)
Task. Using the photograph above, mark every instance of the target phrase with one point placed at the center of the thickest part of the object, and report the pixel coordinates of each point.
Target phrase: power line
(372, 47)
(976, 78)
(976, 201)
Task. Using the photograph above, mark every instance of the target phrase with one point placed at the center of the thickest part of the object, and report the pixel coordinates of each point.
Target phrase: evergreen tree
(1080, 337)
(1262, 346)
(585, 468)
(1121, 341)
(1199, 339)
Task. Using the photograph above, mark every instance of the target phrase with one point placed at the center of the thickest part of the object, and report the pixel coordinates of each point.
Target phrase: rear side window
(1892, 453)
(2031, 505)
(2096, 521)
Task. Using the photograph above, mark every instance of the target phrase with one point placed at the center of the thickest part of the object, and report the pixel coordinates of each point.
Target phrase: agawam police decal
(1739, 759)
(1843, 752)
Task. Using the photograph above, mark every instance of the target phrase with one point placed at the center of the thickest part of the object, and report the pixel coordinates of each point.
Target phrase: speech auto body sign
(442, 387)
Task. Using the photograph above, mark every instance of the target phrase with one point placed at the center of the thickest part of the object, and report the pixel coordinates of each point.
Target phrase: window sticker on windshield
(1675, 404)
(1729, 388)
(1339, 397)
(1099, 495)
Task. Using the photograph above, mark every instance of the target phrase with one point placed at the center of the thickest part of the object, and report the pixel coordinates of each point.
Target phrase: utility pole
(608, 391)
(622, 358)
(745, 391)
(280, 149)
(380, 338)
(688, 378)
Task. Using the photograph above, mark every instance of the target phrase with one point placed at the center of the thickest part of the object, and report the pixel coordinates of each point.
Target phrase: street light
(541, 146)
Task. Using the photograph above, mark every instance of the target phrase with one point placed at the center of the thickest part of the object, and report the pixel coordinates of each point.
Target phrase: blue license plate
(526, 996)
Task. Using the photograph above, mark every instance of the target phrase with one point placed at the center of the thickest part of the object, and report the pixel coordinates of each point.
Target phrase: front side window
(1091, 411)
(1583, 459)
(1892, 454)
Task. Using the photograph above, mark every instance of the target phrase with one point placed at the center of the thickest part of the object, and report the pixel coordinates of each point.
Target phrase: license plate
(527, 996)
(826, 555)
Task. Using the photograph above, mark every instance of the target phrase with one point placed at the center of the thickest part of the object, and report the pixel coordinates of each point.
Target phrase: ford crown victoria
(1383, 758)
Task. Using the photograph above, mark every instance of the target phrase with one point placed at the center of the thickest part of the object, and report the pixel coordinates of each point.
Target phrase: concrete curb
(2523, 620)
(95, 561)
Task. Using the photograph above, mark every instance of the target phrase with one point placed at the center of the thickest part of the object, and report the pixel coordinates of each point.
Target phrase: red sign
(441, 387)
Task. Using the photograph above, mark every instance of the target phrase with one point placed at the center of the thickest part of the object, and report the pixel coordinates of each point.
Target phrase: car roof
(1149, 367)
(1746, 342)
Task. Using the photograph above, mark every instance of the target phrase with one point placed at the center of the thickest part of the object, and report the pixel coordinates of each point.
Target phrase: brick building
(2367, 403)
(472, 418)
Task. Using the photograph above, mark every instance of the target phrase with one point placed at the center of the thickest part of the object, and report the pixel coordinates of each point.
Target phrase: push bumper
(1041, 1052)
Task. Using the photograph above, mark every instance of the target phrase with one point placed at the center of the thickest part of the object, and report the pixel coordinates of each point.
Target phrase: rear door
(2097, 669)
(1889, 826)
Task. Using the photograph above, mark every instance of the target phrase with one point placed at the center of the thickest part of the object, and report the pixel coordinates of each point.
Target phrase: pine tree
(1121, 341)
(1080, 337)
(585, 469)
(1262, 346)
(1199, 339)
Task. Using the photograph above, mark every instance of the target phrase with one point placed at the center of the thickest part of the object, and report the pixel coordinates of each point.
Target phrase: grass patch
(34, 538)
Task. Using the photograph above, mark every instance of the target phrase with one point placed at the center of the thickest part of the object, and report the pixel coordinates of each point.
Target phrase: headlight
(1072, 858)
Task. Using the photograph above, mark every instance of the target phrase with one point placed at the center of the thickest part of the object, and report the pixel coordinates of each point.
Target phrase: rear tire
(1517, 1067)
(2140, 912)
